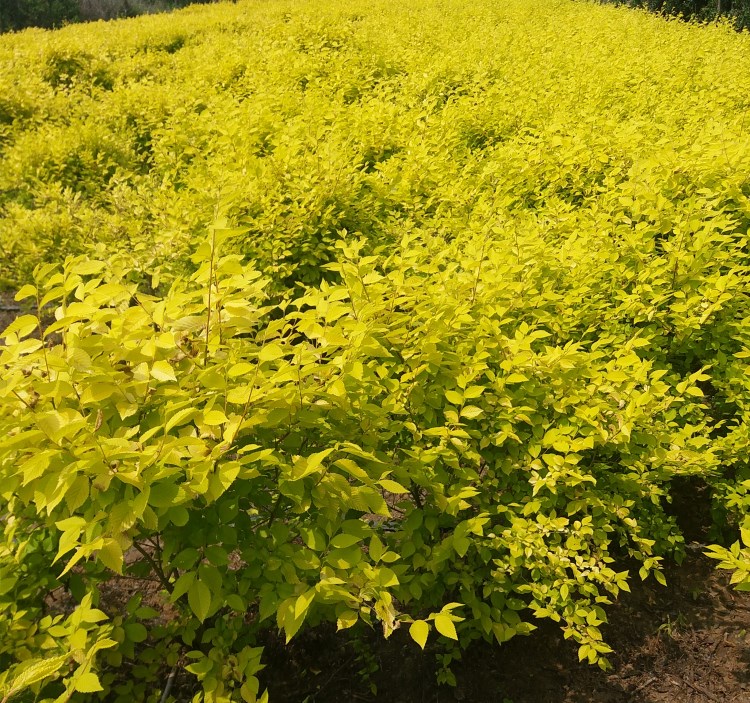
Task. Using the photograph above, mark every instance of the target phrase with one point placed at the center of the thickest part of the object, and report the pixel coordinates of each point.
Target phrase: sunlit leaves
(163, 371)
(444, 625)
(88, 682)
(455, 341)
(418, 631)
(111, 555)
(34, 671)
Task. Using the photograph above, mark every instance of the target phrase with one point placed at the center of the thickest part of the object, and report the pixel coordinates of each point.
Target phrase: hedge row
(386, 315)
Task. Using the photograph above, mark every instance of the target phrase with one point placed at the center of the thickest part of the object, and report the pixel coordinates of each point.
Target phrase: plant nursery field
(334, 322)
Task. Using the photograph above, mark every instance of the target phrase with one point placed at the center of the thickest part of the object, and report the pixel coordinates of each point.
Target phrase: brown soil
(689, 641)
(686, 642)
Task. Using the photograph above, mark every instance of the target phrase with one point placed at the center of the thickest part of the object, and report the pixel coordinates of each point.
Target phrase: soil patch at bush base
(687, 642)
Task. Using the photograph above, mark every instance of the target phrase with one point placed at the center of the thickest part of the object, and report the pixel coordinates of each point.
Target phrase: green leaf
(136, 632)
(375, 549)
(313, 538)
(344, 558)
(199, 598)
(236, 603)
(179, 516)
(162, 495)
(342, 541)
(385, 577)
(214, 417)
(26, 291)
(303, 602)
(348, 618)
(22, 326)
(270, 352)
(418, 631)
(182, 585)
(217, 555)
(239, 395)
(77, 494)
(285, 618)
(461, 545)
(470, 412)
(111, 556)
(87, 267)
(180, 417)
(307, 465)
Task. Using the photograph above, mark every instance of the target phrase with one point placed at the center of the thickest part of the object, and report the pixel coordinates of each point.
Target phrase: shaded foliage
(738, 11)
(18, 14)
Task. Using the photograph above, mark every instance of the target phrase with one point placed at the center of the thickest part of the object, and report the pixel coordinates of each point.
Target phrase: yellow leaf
(111, 556)
(88, 683)
(36, 670)
(214, 417)
(270, 352)
(454, 397)
(26, 292)
(392, 486)
(347, 619)
(303, 602)
(444, 625)
(163, 371)
(418, 631)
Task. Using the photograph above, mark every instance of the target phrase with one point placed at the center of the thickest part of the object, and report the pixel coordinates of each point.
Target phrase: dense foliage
(395, 315)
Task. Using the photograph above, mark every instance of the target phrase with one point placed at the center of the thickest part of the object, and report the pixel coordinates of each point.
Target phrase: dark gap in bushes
(691, 506)
(49, 14)
(738, 11)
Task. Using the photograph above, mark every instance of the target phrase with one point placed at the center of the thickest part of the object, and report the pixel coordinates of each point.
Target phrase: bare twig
(696, 687)
(155, 566)
(169, 684)
(646, 683)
